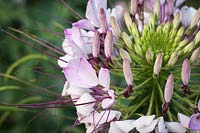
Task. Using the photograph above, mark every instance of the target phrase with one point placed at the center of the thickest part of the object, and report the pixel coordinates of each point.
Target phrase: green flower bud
(195, 55)
(173, 59)
(115, 26)
(128, 21)
(176, 20)
(127, 40)
(124, 54)
(158, 64)
(189, 47)
(149, 56)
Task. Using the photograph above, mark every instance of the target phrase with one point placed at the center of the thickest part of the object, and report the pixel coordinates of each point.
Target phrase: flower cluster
(123, 69)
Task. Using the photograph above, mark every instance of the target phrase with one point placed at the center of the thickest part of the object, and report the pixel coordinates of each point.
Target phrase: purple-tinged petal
(82, 74)
(184, 120)
(84, 105)
(185, 73)
(101, 4)
(84, 24)
(108, 102)
(194, 123)
(87, 72)
(104, 78)
(68, 34)
(179, 2)
(77, 37)
(92, 13)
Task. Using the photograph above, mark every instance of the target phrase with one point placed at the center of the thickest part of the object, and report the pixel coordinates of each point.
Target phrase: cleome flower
(120, 65)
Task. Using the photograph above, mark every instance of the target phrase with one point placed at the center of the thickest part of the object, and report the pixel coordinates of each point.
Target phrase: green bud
(158, 64)
(128, 21)
(157, 8)
(149, 56)
(197, 38)
(173, 59)
(134, 30)
(166, 27)
(127, 40)
(189, 47)
(182, 44)
(195, 55)
(138, 49)
(115, 26)
(176, 20)
(124, 54)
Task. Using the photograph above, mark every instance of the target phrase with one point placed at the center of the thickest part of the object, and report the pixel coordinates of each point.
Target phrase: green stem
(136, 107)
(151, 102)
(142, 84)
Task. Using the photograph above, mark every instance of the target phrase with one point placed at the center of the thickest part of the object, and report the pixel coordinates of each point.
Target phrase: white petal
(93, 118)
(149, 128)
(107, 116)
(108, 102)
(65, 88)
(175, 127)
(184, 120)
(87, 106)
(125, 125)
(63, 61)
(143, 121)
(114, 128)
(76, 90)
(186, 15)
(161, 126)
(104, 78)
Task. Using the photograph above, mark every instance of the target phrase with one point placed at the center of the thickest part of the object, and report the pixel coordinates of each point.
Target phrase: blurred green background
(28, 75)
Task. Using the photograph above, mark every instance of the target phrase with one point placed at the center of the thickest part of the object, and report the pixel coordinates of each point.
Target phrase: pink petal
(194, 123)
(92, 13)
(77, 37)
(82, 74)
(87, 72)
(84, 24)
(104, 78)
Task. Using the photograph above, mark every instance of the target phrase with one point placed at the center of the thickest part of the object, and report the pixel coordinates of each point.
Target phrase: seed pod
(103, 21)
(185, 73)
(108, 44)
(169, 88)
(127, 72)
(124, 54)
(96, 44)
(157, 64)
(134, 5)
